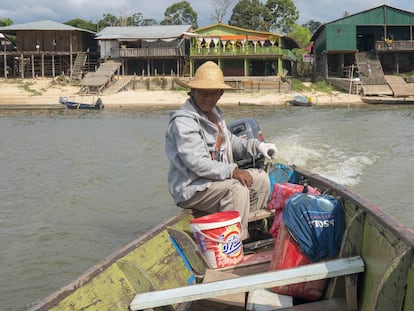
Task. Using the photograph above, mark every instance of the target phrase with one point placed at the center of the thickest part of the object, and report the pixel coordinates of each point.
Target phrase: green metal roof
(381, 15)
(374, 24)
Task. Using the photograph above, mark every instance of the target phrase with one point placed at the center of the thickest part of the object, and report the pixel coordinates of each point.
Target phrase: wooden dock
(117, 86)
(96, 82)
(395, 86)
(399, 87)
(376, 90)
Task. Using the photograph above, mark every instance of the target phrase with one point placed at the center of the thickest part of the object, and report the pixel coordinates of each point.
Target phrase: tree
(5, 22)
(312, 25)
(251, 14)
(80, 23)
(301, 35)
(220, 8)
(180, 13)
(137, 19)
(108, 20)
(284, 14)
(149, 22)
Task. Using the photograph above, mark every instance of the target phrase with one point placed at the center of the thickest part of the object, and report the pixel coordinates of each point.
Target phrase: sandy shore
(46, 92)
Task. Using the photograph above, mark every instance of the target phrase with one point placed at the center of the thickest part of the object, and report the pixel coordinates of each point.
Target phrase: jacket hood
(189, 110)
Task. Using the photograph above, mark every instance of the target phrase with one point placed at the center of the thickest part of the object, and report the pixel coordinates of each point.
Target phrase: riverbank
(46, 92)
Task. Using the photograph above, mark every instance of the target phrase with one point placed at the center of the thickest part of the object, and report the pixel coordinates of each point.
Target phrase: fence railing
(151, 52)
(243, 52)
(236, 51)
(399, 45)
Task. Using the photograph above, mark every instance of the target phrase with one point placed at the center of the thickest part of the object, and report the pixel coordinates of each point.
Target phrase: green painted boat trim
(142, 265)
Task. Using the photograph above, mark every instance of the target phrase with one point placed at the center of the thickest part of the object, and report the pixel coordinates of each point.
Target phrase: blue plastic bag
(316, 222)
(281, 173)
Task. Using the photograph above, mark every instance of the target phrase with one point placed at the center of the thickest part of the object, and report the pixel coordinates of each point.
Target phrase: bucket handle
(211, 239)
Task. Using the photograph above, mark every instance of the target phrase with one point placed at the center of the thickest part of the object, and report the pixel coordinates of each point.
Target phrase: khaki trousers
(229, 194)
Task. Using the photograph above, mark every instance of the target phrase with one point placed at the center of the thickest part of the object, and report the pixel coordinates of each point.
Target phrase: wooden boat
(300, 100)
(72, 104)
(374, 269)
(388, 100)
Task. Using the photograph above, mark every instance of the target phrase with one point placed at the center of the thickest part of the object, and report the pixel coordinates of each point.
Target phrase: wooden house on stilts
(49, 49)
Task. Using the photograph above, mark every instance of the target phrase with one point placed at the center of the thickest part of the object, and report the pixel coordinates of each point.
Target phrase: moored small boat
(300, 100)
(72, 104)
(388, 100)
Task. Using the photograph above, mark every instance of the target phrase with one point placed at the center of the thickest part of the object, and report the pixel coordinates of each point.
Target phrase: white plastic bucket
(218, 238)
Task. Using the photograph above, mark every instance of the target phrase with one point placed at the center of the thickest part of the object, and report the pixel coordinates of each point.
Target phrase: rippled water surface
(77, 185)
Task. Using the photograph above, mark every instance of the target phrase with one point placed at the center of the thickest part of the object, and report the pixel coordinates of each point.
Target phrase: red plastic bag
(280, 193)
(287, 254)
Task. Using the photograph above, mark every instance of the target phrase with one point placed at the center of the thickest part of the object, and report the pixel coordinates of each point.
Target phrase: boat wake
(332, 161)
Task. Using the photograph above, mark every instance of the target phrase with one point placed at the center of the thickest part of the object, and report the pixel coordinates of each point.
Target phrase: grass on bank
(33, 92)
(298, 85)
(31, 87)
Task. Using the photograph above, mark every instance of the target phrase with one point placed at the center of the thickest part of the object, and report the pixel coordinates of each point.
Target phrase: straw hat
(208, 77)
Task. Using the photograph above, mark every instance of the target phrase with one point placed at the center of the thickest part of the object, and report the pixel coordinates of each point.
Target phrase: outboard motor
(99, 104)
(248, 128)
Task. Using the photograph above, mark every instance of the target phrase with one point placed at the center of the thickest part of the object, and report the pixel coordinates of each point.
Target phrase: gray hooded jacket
(190, 142)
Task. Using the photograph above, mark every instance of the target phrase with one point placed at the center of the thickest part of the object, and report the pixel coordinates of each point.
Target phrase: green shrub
(298, 86)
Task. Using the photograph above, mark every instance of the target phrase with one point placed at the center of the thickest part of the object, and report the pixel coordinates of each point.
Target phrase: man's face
(206, 99)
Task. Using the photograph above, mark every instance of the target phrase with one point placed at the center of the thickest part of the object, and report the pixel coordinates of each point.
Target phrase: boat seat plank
(260, 214)
(316, 271)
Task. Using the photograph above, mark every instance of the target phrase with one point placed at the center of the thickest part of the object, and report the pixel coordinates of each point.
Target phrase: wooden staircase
(80, 62)
(365, 60)
(373, 81)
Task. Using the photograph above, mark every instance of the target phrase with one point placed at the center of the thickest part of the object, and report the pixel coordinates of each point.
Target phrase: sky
(26, 11)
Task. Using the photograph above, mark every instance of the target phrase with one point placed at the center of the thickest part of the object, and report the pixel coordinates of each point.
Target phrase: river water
(77, 185)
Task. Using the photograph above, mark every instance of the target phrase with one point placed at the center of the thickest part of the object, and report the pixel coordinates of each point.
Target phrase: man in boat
(202, 173)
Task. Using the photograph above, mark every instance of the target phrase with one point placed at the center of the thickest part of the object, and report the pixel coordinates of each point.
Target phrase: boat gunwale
(397, 228)
(386, 100)
(63, 292)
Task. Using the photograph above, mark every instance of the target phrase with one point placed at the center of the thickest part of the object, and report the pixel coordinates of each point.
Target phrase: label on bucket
(218, 237)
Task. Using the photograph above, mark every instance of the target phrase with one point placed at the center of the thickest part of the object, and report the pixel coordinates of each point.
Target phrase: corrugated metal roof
(351, 20)
(42, 25)
(218, 26)
(143, 32)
